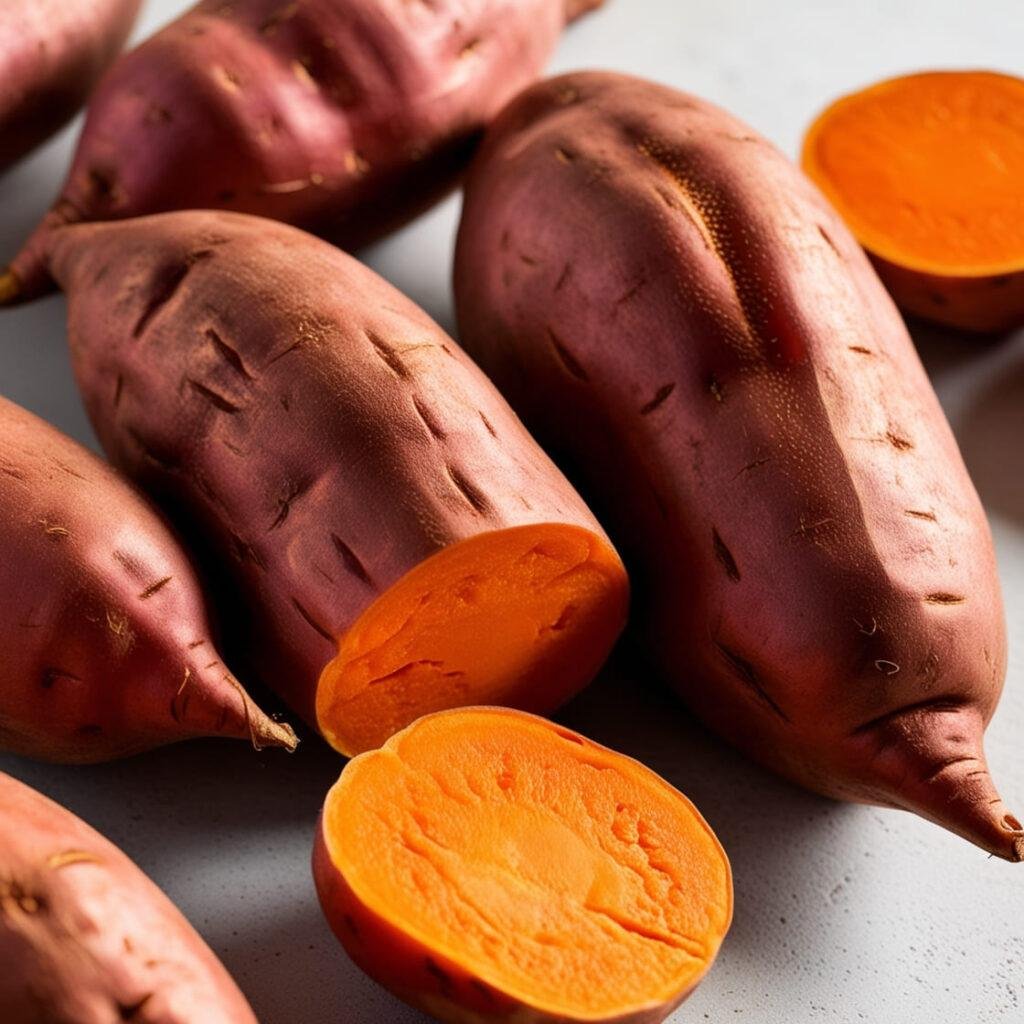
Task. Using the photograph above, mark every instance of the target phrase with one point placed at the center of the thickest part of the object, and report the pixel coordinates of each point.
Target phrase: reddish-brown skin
(87, 938)
(311, 425)
(106, 642)
(671, 305)
(344, 117)
(51, 54)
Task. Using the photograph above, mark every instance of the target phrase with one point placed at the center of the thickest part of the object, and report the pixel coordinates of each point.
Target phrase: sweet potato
(87, 938)
(676, 310)
(926, 170)
(370, 494)
(51, 54)
(344, 117)
(486, 865)
(106, 642)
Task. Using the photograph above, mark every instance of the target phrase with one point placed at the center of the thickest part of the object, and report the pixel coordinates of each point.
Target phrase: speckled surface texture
(843, 914)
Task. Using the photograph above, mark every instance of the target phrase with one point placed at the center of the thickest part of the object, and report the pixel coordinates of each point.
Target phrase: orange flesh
(928, 170)
(566, 876)
(524, 617)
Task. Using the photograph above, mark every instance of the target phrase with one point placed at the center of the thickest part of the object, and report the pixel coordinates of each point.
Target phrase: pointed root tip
(268, 733)
(10, 288)
(1017, 854)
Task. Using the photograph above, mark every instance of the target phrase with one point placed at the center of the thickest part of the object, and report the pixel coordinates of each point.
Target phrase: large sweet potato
(676, 309)
(360, 479)
(105, 639)
(87, 938)
(51, 54)
(345, 117)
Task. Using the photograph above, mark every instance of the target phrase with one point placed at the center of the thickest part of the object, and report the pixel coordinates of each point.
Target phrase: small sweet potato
(105, 639)
(487, 865)
(87, 938)
(51, 54)
(362, 484)
(673, 307)
(344, 117)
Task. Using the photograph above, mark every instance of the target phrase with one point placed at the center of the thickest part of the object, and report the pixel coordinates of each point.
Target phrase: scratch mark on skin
(944, 598)
(949, 763)
(352, 562)
(294, 491)
(217, 400)
(311, 621)
(65, 468)
(564, 156)
(811, 530)
(899, 443)
(631, 292)
(228, 354)
(867, 630)
(475, 499)
(746, 672)
(388, 355)
(828, 241)
(724, 556)
(756, 464)
(917, 514)
(568, 360)
(530, 261)
(179, 702)
(426, 415)
(164, 290)
(280, 355)
(659, 397)
(118, 389)
(487, 423)
(196, 643)
(889, 668)
(68, 857)
(154, 588)
(860, 349)
(52, 675)
(563, 277)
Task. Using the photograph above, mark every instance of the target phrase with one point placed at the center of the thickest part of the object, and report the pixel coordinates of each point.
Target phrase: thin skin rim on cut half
(877, 242)
(523, 616)
(331, 856)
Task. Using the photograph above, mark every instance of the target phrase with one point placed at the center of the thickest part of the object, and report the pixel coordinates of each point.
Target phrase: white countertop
(843, 913)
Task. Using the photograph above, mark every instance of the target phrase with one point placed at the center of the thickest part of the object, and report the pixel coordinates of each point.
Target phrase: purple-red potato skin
(106, 642)
(304, 420)
(87, 938)
(51, 54)
(343, 117)
(812, 564)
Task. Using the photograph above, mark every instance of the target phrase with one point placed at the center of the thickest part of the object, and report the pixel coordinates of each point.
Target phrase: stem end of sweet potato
(10, 288)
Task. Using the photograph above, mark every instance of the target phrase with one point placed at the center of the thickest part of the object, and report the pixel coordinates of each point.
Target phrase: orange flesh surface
(928, 170)
(524, 616)
(568, 877)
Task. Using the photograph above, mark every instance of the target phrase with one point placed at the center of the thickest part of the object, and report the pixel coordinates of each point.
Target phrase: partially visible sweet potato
(395, 540)
(678, 312)
(87, 938)
(106, 645)
(344, 117)
(51, 54)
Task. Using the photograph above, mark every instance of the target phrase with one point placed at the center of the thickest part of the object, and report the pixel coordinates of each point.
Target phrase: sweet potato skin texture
(812, 564)
(86, 937)
(51, 54)
(106, 641)
(302, 418)
(343, 117)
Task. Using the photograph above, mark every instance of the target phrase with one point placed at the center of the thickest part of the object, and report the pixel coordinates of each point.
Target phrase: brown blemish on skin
(746, 672)
(351, 561)
(217, 400)
(944, 598)
(68, 857)
(564, 156)
(860, 349)
(475, 499)
(917, 514)
(724, 556)
(391, 359)
(311, 621)
(51, 676)
(567, 359)
(828, 241)
(487, 423)
(293, 491)
(659, 397)
(154, 588)
(227, 353)
(716, 390)
(428, 419)
(899, 443)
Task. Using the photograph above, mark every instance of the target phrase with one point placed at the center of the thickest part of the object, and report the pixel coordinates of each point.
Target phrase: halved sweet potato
(489, 865)
(396, 541)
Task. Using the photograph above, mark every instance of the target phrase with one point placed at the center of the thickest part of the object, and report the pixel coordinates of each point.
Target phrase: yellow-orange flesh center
(928, 170)
(522, 617)
(566, 876)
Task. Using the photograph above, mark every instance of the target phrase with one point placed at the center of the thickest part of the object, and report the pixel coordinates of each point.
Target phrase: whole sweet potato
(344, 117)
(51, 54)
(105, 639)
(369, 494)
(676, 309)
(87, 938)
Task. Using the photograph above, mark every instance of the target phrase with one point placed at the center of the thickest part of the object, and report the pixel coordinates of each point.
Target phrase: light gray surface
(843, 914)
